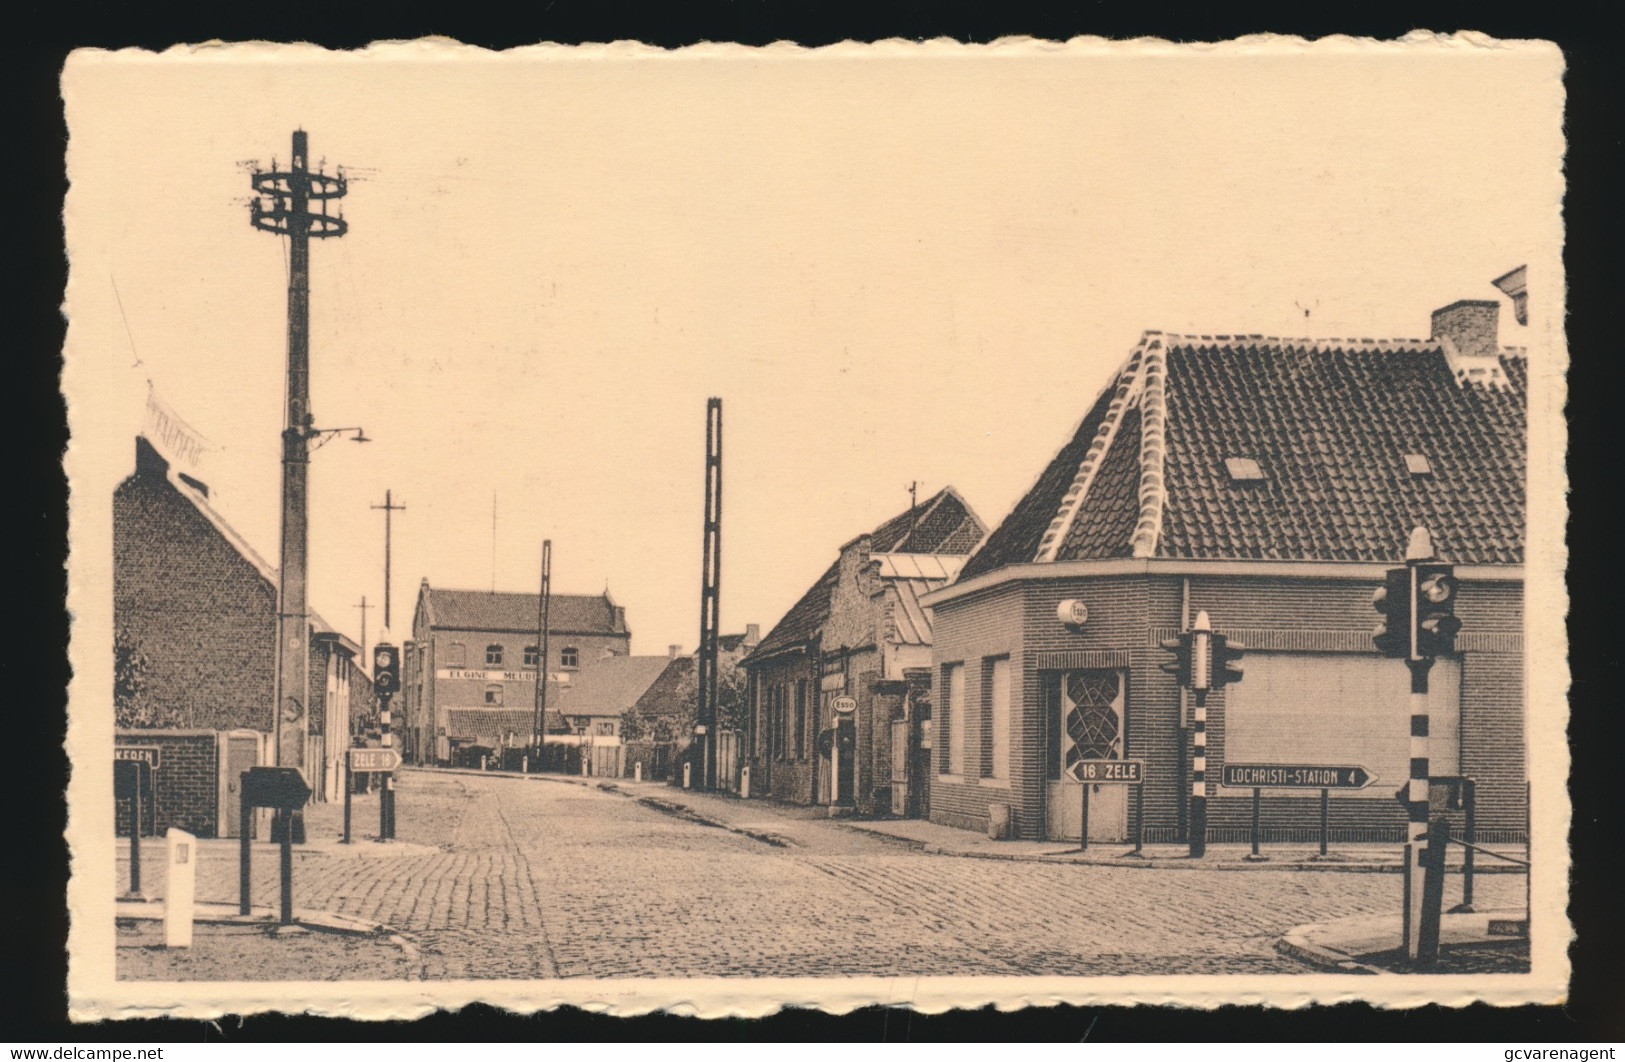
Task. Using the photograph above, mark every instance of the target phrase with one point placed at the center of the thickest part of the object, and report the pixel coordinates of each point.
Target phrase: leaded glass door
(1086, 715)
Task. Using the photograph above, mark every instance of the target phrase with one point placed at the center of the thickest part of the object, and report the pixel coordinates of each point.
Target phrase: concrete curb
(1297, 946)
(226, 914)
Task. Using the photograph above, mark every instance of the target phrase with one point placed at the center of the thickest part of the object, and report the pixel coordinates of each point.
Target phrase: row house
(858, 639)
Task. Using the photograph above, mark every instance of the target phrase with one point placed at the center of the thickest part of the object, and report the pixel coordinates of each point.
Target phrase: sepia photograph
(723, 528)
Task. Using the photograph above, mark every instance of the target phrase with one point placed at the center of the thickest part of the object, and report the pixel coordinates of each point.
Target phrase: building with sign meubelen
(1270, 483)
(469, 673)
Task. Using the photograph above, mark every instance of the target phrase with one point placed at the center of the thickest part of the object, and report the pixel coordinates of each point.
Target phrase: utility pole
(389, 508)
(282, 205)
(364, 607)
(538, 725)
(705, 728)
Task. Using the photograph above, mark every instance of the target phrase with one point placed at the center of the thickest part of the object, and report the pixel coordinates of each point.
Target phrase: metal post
(1198, 816)
(1139, 818)
(245, 856)
(1083, 826)
(1325, 817)
(135, 834)
(287, 876)
(1433, 865)
(1258, 800)
(349, 786)
(386, 791)
(1469, 833)
(1417, 826)
(710, 591)
(538, 723)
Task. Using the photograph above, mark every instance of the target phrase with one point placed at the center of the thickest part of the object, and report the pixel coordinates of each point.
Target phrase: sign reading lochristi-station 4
(1294, 776)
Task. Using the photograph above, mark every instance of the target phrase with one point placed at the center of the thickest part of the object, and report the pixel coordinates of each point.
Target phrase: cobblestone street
(508, 877)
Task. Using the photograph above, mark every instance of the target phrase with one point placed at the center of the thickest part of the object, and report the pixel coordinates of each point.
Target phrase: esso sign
(844, 705)
(1072, 612)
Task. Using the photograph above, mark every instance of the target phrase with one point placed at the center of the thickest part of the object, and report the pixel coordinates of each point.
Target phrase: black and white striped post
(1201, 675)
(1420, 549)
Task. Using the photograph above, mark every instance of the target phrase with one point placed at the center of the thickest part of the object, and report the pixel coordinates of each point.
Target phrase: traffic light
(386, 669)
(1226, 661)
(1392, 636)
(1180, 666)
(1436, 622)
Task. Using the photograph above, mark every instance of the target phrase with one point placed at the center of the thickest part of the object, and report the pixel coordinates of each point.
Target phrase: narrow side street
(512, 877)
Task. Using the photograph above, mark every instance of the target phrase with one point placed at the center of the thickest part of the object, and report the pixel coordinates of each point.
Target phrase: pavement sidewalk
(1483, 941)
(938, 839)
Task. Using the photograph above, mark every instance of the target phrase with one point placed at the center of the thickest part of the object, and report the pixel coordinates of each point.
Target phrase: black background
(33, 917)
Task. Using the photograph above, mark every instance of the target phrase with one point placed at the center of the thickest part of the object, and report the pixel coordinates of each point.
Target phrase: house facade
(859, 639)
(194, 609)
(469, 674)
(1270, 483)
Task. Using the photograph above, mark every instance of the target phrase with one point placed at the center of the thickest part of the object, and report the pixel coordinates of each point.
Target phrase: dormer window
(1418, 465)
(1243, 470)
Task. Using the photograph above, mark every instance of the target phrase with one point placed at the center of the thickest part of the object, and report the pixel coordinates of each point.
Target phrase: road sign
(844, 705)
(374, 759)
(137, 754)
(1110, 772)
(1294, 776)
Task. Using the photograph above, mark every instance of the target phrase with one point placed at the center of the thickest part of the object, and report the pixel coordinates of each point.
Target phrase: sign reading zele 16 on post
(1119, 772)
(1294, 776)
(363, 760)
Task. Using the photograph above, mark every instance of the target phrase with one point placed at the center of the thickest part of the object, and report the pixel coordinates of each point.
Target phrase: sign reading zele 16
(137, 754)
(1294, 776)
(374, 759)
(1120, 772)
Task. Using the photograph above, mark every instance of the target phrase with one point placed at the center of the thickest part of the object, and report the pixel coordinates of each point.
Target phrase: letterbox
(282, 788)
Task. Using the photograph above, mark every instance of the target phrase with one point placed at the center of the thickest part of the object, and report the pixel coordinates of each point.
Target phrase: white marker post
(180, 889)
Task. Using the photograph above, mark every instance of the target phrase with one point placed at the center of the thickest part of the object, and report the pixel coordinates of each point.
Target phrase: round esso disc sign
(844, 705)
(1072, 612)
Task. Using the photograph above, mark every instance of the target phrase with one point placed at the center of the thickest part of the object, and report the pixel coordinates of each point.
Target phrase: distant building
(194, 615)
(1269, 482)
(470, 670)
(860, 631)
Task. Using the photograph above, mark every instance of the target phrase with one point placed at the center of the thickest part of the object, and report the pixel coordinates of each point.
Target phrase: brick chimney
(753, 633)
(1471, 324)
(1467, 330)
(674, 651)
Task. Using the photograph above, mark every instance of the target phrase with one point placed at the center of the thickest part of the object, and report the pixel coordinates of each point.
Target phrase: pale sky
(892, 265)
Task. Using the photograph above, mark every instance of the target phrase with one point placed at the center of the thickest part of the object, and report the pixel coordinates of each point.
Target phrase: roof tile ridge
(1409, 344)
(1126, 383)
(1153, 439)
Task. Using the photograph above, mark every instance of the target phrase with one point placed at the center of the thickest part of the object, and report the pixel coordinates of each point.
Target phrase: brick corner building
(1269, 482)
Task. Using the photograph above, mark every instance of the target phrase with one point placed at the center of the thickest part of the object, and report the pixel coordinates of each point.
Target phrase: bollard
(1083, 825)
(180, 889)
(1325, 817)
(1433, 867)
(688, 770)
(1469, 831)
(1258, 803)
(524, 764)
(637, 772)
(348, 786)
(744, 783)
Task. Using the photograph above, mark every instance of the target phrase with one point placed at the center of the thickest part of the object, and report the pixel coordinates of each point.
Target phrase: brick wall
(1126, 617)
(190, 603)
(186, 786)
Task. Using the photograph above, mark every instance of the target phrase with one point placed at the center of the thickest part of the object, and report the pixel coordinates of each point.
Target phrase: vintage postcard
(730, 528)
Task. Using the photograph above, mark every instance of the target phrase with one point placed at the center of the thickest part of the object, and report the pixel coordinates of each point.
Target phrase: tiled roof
(942, 525)
(502, 610)
(609, 687)
(1330, 424)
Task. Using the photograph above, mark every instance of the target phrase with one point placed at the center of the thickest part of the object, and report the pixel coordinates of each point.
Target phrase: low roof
(1334, 427)
(607, 687)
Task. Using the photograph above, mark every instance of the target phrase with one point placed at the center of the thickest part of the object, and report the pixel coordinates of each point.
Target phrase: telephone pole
(389, 507)
(538, 723)
(705, 728)
(282, 205)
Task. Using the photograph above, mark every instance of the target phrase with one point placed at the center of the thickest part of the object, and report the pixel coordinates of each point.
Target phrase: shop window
(953, 712)
(996, 717)
(493, 656)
